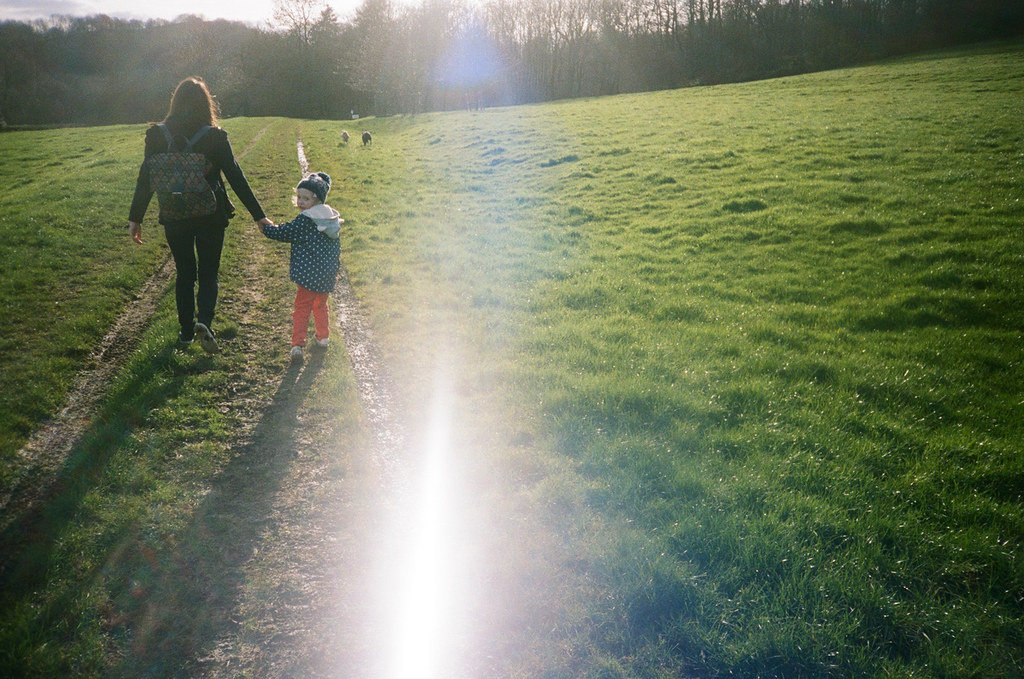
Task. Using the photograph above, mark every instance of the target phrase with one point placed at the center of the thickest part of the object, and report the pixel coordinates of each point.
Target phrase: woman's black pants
(196, 251)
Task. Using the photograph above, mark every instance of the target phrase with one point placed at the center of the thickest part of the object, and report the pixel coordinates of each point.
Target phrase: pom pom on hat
(317, 183)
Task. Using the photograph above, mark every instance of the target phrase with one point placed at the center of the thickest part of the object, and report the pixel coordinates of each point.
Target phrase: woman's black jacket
(215, 146)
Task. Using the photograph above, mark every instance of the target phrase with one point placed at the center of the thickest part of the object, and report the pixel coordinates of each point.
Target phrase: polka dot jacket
(316, 251)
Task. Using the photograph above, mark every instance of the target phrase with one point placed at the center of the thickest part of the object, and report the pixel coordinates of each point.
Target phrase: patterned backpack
(178, 177)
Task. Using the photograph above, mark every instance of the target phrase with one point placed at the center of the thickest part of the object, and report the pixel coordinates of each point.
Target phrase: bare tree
(299, 17)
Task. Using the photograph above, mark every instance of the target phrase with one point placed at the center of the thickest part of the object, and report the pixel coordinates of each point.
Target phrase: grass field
(748, 357)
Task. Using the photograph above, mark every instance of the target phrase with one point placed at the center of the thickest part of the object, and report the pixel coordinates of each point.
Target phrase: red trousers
(306, 302)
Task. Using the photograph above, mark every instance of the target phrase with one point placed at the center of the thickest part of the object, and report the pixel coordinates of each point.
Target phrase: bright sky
(250, 11)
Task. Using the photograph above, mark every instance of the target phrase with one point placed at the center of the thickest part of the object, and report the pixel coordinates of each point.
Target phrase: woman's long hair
(192, 106)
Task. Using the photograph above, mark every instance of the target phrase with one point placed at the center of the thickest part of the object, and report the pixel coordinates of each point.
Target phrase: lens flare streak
(427, 605)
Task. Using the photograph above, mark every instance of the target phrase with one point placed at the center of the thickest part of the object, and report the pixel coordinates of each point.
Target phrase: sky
(254, 12)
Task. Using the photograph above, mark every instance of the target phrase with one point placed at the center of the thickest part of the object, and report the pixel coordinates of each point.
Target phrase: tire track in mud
(51, 443)
(422, 571)
(372, 381)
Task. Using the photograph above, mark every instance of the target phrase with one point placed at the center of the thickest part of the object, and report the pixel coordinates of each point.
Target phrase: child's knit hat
(318, 183)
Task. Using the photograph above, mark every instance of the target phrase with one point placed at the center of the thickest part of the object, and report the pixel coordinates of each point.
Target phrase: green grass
(773, 330)
(64, 270)
(752, 353)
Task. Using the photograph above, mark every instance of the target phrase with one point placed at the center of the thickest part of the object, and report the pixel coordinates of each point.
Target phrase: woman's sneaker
(322, 343)
(184, 338)
(206, 339)
(296, 353)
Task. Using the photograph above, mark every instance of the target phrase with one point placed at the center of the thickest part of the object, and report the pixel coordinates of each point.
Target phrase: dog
(366, 138)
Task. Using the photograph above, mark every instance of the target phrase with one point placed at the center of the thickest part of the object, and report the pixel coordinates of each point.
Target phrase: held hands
(135, 231)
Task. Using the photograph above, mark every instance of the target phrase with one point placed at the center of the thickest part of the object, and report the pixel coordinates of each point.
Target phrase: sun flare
(427, 602)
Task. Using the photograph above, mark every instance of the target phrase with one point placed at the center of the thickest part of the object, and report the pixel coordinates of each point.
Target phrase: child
(315, 257)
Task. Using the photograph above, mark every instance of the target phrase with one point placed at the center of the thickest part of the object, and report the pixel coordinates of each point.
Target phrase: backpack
(178, 176)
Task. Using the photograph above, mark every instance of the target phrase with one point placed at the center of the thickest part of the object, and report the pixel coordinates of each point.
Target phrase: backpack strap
(167, 135)
(198, 135)
(189, 143)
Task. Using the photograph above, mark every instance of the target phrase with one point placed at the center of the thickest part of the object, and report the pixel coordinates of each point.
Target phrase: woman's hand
(266, 221)
(135, 231)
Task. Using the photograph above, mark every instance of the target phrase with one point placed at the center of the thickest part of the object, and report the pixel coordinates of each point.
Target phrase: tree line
(391, 58)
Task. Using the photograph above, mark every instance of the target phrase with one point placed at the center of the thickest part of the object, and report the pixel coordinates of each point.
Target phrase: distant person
(195, 226)
(315, 258)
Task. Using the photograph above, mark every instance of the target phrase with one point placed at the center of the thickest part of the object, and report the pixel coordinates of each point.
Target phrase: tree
(300, 17)
(439, 54)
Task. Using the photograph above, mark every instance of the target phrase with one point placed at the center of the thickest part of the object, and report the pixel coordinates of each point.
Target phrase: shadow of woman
(185, 598)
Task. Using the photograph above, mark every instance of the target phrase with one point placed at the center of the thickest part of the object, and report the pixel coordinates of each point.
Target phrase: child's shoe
(296, 353)
(206, 339)
(322, 343)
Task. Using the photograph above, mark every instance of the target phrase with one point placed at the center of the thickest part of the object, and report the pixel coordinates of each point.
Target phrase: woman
(195, 242)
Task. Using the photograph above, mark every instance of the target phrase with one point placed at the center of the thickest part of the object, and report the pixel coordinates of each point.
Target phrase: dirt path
(48, 447)
(287, 549)
(268, 580)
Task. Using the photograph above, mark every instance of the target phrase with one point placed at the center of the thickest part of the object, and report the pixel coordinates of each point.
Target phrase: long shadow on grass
(43, 506)
(186, 609)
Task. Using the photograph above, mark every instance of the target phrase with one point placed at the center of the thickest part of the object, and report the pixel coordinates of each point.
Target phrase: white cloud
(253, 12)
(26, 10)
(249, 11)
